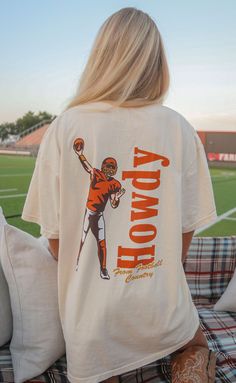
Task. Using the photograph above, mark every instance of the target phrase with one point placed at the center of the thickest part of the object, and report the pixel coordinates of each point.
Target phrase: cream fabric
(144, 311)
(31, 274)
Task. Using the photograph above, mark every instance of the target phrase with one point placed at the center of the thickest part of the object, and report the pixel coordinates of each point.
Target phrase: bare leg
(194, 361)
(199, 339)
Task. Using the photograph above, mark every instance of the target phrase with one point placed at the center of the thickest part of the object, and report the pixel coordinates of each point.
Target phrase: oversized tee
(118, 187)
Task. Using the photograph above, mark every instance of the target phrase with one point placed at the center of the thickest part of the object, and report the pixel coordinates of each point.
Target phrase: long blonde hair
(127, 66)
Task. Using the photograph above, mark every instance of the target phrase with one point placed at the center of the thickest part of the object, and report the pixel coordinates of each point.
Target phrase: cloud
(217, 122)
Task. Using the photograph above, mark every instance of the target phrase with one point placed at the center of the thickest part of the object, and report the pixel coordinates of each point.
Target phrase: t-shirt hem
(207, 219)
(129, 367)
(44, 232)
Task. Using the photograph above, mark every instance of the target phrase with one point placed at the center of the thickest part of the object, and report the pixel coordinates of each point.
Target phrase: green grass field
(16, 172)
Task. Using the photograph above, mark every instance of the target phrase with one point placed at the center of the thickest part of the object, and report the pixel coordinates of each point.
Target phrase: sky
(45, 45)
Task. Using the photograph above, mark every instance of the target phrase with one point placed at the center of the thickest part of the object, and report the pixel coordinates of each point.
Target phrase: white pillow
(227, 301)
(5, 303)
(31, 274)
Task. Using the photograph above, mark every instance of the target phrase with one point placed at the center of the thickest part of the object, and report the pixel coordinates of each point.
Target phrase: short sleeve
(198, 203)
(43, 197)
(117, 186)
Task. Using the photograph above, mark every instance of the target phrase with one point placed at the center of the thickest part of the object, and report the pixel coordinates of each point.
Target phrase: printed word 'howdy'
(142, 207)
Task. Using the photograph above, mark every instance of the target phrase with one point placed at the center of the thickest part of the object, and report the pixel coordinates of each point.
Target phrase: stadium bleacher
(33, 138)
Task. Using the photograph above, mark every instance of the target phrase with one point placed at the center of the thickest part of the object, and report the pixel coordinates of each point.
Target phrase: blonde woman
(120, 184)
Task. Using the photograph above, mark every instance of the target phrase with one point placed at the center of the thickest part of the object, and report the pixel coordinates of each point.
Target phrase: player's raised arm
(78, 148)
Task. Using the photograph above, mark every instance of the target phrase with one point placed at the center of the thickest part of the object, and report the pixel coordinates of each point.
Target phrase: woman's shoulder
(177, 120)
(172, 117)
(178, 116)
(63, 119)
(83, 109)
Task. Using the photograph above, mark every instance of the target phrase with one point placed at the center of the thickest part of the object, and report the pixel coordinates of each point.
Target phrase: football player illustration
(102, 187)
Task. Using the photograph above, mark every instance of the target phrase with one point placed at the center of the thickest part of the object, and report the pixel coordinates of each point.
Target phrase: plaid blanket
(209, 267)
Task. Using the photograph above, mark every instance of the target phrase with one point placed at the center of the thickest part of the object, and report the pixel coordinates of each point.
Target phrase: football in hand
(78, 144)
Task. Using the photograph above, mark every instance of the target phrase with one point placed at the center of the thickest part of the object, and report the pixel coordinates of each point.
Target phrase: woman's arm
(186, 241)
(53, 247)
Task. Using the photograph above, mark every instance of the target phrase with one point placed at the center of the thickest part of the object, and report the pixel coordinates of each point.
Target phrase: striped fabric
(209, 267)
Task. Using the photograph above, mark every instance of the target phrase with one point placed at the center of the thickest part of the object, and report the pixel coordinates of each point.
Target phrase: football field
(16, 172)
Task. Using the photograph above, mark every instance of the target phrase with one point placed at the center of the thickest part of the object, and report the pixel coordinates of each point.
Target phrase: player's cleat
(104, 273)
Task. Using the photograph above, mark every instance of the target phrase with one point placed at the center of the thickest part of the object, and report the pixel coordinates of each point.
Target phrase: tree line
(27, 121)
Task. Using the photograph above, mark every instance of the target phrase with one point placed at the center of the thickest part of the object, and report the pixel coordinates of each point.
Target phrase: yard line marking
(231, 218)
(15, 175)
(12, 196)
(218, 219)
(224, 174)
(5, 190)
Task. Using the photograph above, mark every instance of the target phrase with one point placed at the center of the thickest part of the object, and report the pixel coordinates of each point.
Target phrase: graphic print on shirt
(141, 255)
(102, 187)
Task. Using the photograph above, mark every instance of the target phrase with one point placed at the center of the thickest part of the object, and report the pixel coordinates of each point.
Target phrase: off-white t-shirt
(121, 206)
